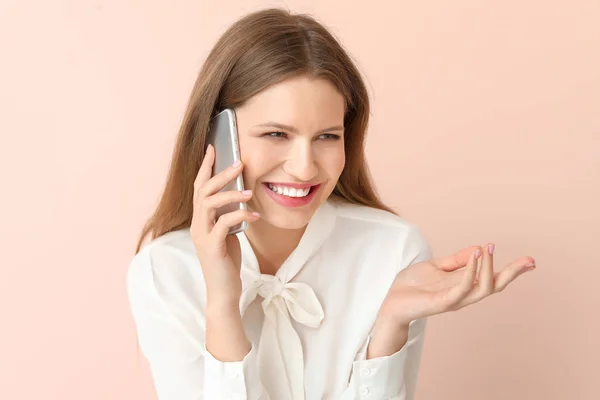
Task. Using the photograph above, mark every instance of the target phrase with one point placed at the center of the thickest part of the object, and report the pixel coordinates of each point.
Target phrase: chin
(286, 221)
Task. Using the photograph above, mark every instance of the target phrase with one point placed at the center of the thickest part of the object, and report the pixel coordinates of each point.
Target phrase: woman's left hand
(447, 284)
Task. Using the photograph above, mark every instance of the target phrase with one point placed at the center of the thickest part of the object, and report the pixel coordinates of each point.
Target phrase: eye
(276, 135)
(329, 136)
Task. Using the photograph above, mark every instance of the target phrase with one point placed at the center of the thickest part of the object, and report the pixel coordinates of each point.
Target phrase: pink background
(485, 127)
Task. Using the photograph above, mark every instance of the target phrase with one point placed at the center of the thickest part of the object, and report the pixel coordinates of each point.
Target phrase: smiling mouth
(292, 192)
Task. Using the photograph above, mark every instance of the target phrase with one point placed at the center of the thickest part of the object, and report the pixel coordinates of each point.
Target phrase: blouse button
(364, 391)
(366, 372)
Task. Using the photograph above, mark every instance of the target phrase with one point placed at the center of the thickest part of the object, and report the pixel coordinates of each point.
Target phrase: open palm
(449, 283)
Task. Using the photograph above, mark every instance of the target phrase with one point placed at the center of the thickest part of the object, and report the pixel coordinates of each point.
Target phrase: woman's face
(292, 145)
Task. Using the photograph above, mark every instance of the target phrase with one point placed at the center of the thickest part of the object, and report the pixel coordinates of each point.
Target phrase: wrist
(389, 336)
(226, 339)
(219, 308)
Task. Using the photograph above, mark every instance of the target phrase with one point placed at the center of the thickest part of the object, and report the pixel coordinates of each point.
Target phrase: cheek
(333, 162)
(257, 163)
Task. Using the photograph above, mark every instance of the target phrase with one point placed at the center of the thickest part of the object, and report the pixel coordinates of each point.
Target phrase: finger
(221, 199)
(205, 170)
(226, 221)
(485, 283)
(456, 260)
(211, 204)
(511, 272)
(220, 180)
(452, 296)
(486, 261)
(486, 276)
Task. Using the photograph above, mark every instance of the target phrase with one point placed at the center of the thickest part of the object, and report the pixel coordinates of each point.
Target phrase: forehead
(304, 102)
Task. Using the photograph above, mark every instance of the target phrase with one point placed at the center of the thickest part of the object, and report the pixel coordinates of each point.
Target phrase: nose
(301, 163)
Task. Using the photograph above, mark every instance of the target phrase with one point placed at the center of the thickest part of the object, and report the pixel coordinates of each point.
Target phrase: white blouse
(309, 324)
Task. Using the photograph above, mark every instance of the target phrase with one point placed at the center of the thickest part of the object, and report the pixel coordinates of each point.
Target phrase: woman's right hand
(218, 252)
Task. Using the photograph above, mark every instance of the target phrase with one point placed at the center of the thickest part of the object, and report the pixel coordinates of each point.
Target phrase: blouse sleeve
(393, 377)
(174, 346)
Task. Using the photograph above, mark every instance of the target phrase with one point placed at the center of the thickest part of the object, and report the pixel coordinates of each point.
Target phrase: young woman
(325, 295)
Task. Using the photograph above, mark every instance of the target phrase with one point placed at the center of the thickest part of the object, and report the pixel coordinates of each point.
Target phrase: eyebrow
(292, 129)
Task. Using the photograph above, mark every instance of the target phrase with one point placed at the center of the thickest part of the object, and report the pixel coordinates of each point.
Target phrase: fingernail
(530, 265)
(491, 248)
(477, 253)
(236, 164)
(255, 214)
(208, 148)
(247, 192)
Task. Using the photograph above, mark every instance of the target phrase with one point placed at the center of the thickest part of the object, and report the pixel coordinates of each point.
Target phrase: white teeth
(290, 192)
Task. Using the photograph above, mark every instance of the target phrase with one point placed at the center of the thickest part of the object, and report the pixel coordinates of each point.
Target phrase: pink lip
(292, 201)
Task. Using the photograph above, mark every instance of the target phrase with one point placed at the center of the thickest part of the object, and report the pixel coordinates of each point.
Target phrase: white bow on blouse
(280, 348)
(280, 356)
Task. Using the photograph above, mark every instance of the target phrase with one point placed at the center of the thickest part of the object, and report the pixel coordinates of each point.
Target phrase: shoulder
(171, 254)
(365, 215)
(373, 225)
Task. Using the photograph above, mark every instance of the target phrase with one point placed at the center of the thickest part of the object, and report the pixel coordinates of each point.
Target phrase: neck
(272, 245)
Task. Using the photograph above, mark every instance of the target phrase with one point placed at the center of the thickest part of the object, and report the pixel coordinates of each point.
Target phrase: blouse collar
(318, 229)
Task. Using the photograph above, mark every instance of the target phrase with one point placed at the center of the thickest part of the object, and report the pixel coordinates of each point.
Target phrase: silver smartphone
(222, 134)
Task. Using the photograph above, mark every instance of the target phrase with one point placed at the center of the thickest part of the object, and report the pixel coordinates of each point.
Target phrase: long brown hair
(259, 50)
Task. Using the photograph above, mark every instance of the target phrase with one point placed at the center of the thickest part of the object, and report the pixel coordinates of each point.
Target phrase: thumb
(456, 260)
